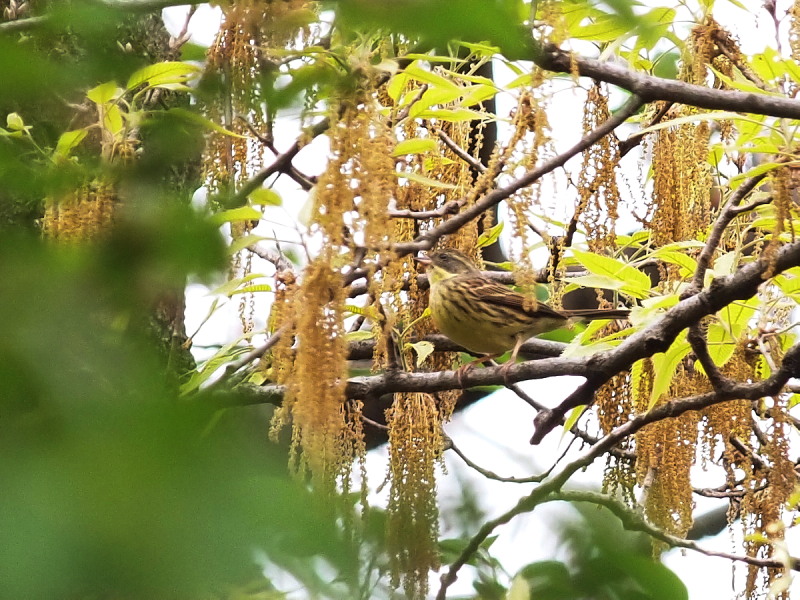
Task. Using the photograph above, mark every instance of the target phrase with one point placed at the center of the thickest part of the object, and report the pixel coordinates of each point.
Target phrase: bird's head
(448, 263)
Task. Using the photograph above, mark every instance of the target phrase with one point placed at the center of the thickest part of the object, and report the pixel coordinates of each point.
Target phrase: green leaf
(664, 366)
(437, 22)
(634, 282)
(594, 281)
(243, 213)
(423, 350)
(724, 265)
(67, 141)
(112, 119)
(252, 289)
(720, 346)
(162, 74)
(14, 122)
(519, 590)
(240, 243)
(265, 197)
(197, 119)
(359, 336)
(426, 181)
(605, 29)
(225, 354)
(573, 417)
(229, 287)
(490, 236)
(737, 315)
(414, 146)
(760, 169)
(105, 93)
(452, 115)
(687, 263)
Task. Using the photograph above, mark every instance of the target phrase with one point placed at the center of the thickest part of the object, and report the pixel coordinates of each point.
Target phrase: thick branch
(140, 6)
(649, 88)
(659, 336)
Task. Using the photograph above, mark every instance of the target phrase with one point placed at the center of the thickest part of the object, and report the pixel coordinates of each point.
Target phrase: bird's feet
(463, 370)
(466, 368)
(505, 368)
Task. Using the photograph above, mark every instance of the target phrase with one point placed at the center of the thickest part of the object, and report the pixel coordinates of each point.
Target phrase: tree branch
(675, 408)
(427, 239)
(659, 336)
(140, 6)
(631, 521)
(650, 89)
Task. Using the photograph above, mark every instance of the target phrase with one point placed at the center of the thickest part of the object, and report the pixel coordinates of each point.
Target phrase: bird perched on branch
(486, 317)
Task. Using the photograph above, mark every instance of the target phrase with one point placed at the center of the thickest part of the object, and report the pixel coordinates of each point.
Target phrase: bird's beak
(423, 260)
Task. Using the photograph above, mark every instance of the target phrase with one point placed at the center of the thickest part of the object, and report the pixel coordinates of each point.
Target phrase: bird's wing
(493, 293)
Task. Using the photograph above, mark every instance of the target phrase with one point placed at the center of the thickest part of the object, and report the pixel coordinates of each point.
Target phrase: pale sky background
(495, 432)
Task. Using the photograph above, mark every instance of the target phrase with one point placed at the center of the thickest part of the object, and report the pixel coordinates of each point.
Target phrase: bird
(486, 317)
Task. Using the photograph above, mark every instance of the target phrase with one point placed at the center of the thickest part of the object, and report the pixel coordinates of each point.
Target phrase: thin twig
(459, 151)
(490, 474)
(548, 489)
(427, 239)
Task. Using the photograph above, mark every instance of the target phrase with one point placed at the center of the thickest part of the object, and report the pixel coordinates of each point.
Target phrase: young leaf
(423, 350)
(67, 141)
(14, 122)
(414, 146)
(265, 197)
(162, 74)
(243, 213)
(634, 282)
(664, 366)
(490, 236)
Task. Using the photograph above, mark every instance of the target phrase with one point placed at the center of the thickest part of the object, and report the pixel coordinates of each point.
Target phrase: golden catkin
(84, 214)
(531, 139)
(597, 181)
(315, 388)
(794, 30)
(782, 201)
(665, 452)
(250, 33)
(415, 446)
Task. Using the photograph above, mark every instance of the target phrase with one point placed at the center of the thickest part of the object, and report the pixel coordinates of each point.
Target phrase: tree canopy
(591, 154)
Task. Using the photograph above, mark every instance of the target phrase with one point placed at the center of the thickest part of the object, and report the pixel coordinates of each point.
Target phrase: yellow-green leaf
(193, 117)
(453, 115)
(423, 350)
(573, 417)
(112, 119)
(251, 289)
(163, 73)
(490, 236)
(414, 146)
(229, 287)
(67, 141)
(664, 366)
(105, 92)
(359, 336)
(428, 181)
(687, 263)
(720, 345)
(243, 213)
(634, 282)
(265, 197)
(14, 122)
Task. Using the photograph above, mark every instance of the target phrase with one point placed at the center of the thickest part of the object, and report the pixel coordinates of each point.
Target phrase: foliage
(138, 473)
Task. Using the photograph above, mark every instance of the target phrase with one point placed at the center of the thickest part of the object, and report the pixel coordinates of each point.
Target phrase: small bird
(486, 317)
